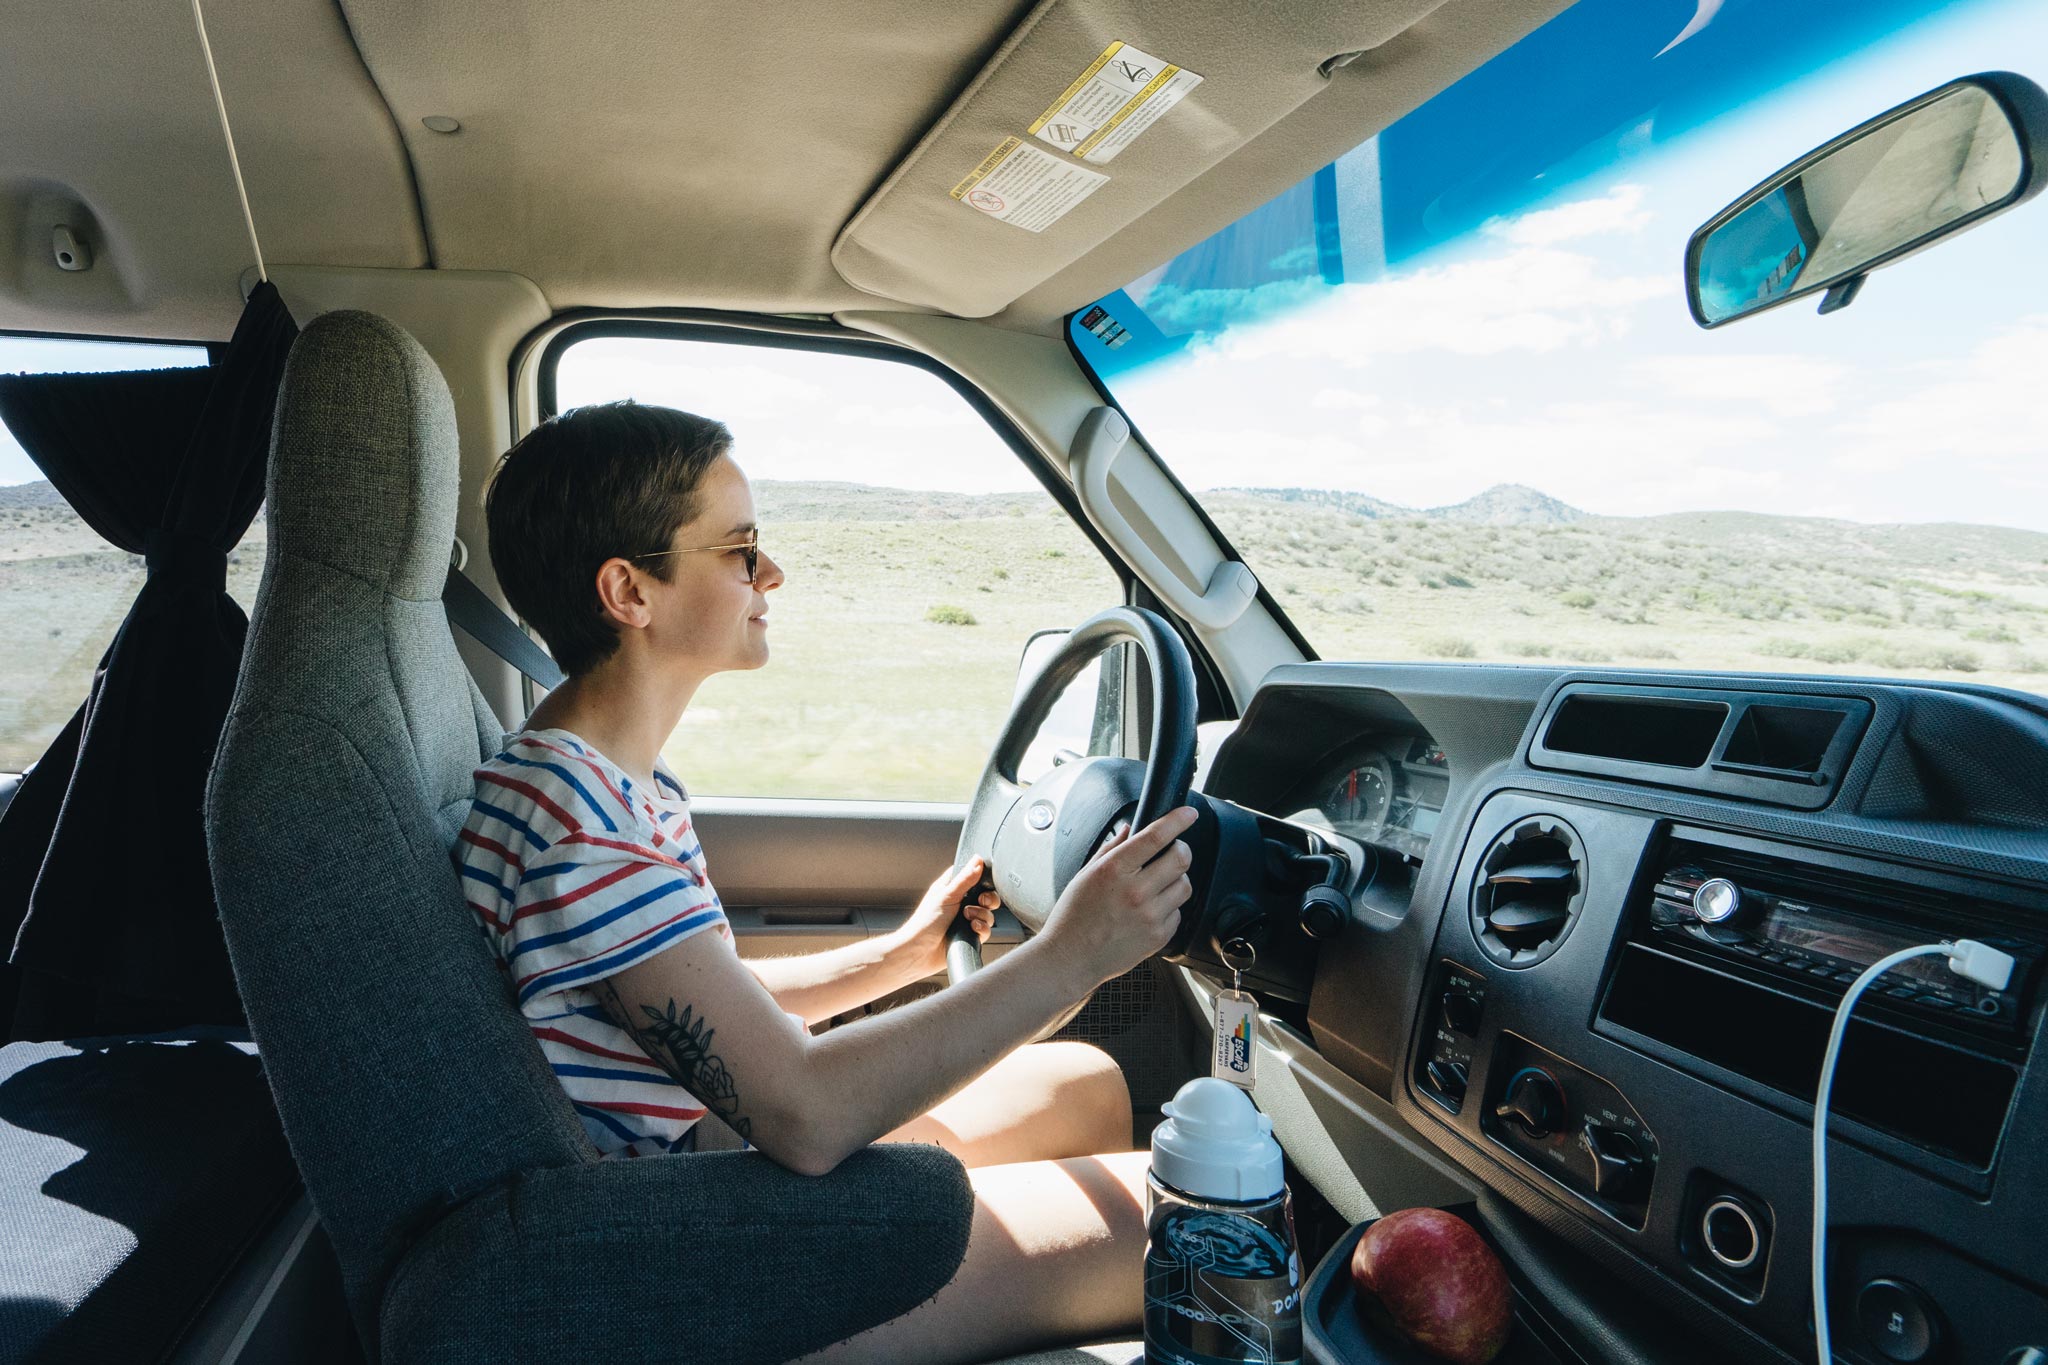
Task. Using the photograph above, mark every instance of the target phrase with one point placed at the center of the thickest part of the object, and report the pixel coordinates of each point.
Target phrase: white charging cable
(1966, 957)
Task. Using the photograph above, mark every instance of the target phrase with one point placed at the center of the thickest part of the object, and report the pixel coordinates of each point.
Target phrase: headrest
(363, 463)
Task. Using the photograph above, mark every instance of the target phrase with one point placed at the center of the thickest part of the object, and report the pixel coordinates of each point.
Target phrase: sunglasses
(750, 555)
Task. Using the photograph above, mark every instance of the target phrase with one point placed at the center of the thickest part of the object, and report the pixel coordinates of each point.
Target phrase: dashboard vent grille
(1529, 889)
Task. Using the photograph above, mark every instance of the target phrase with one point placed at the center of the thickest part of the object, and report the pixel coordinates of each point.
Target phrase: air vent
(1528, 892)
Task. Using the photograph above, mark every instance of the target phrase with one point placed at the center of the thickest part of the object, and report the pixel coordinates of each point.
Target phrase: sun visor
(1091, 114)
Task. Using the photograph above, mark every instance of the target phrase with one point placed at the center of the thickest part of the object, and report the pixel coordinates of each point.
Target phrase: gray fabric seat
(134, 1174)
(467, 1210)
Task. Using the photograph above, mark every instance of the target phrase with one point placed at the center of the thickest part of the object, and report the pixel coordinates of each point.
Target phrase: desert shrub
(944, 615)
(1992, 634)
(1945, 658)
(1450, 647)
(1580, 599)
(1528, 649)
(1452, 580)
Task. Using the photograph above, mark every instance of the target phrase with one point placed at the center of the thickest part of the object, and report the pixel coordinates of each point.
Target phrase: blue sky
(1553, 347)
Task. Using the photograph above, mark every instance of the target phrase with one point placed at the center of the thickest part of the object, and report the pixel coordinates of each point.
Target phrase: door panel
(805, 876)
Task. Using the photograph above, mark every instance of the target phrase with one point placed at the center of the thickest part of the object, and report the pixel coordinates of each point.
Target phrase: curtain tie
(185, 557)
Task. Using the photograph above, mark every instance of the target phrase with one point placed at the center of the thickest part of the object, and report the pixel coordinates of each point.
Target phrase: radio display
(1808, 930)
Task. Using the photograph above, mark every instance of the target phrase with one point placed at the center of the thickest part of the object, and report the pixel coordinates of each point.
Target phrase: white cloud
(1343, 398)
(1783, 385)
(908, 416)
(729, 393)
(1984, 408)
(1619, 210)
(1529, 299)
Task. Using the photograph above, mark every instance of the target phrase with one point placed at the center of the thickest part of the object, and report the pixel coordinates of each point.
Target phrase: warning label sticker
(1121, 94)
(1020, 185)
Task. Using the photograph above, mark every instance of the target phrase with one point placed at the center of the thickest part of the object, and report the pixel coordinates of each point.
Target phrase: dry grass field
(897, 636)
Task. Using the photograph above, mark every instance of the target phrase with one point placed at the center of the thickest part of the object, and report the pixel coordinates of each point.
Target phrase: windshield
(1446, 399)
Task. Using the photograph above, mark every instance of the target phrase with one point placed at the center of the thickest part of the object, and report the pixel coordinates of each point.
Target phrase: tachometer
(1358, 801)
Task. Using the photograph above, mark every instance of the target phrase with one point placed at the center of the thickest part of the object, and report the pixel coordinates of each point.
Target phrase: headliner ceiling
(628, 154)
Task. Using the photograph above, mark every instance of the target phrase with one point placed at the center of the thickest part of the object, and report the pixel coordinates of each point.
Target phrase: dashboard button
(1934, 1002)
(1898, 1320)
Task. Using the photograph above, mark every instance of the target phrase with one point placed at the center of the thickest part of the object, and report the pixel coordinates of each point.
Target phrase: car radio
(1824, 933)
(1736, 953)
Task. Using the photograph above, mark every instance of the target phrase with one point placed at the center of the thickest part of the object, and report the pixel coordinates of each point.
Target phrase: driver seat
(470, 1217)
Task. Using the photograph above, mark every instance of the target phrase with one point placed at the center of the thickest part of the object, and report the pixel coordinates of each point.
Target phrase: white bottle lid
(1215, 1145)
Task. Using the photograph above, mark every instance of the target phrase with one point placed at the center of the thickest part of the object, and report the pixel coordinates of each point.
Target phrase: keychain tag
(1234, 1046)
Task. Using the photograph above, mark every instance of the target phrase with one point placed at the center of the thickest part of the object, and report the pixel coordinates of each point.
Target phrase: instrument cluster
(1388, 792)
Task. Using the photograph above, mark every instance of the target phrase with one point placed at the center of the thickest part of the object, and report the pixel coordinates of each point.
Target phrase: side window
(64, 590)
(921, 557)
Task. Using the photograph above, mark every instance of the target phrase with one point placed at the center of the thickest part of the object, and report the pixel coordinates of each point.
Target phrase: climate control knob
(1618, 1163)
(1461, 1012)
(1448, 1079)
(1534, 1103)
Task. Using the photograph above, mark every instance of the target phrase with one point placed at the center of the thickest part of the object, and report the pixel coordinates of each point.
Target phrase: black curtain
(104, 891)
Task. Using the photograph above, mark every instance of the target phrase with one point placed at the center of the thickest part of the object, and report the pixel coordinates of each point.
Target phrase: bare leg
(1055, 1256)
(1042, 1102)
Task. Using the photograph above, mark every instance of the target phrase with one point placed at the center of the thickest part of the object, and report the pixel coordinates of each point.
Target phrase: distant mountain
(1504, 504)
(36, 494)
(1510, 504)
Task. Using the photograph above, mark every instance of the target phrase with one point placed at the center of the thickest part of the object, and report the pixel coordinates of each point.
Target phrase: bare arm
(820, 985)
(809, 1102)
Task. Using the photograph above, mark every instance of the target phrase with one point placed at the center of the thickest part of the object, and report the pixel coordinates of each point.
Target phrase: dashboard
(1600, 924)
(1387, 791)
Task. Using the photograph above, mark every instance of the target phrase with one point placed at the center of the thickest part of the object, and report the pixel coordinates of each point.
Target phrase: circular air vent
(1529, 890)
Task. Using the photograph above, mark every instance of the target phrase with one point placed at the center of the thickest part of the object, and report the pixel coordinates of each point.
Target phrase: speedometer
(1359, 799)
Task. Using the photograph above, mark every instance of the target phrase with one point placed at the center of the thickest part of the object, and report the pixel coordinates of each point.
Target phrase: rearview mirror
(1911, 176)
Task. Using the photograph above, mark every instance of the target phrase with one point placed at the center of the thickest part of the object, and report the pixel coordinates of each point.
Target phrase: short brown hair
(598, 481)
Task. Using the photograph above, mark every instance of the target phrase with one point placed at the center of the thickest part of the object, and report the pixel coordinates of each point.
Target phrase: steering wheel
(1035, 838)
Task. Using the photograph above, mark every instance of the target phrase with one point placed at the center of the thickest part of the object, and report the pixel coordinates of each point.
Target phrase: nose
(767, 573)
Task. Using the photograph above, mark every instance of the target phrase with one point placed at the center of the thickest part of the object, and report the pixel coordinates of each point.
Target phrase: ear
(619, 594)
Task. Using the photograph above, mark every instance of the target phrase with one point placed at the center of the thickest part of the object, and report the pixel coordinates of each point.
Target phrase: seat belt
(471, 608)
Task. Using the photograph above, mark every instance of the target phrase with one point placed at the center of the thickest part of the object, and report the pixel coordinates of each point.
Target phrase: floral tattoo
(682, 1045)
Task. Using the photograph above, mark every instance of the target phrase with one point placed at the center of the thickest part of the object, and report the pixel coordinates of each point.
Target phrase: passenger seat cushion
(134, 1172)
(716, 1257)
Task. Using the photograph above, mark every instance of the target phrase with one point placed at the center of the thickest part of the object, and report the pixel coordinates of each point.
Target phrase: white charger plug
(1979, 962)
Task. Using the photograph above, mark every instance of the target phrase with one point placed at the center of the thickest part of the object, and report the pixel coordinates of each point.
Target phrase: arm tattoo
(682, 1045)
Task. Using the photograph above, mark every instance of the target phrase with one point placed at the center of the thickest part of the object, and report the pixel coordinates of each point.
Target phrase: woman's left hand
(924, 934)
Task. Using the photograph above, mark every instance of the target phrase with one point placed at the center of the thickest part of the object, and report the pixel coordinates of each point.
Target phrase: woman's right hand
(1125, 904)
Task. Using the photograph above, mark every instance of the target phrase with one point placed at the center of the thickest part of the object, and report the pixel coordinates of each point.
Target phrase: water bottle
(1222, 1276)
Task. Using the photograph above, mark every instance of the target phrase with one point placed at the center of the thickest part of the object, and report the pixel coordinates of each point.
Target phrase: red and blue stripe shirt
(575, 872)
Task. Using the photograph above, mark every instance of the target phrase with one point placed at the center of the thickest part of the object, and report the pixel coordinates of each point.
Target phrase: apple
(1443, 1287)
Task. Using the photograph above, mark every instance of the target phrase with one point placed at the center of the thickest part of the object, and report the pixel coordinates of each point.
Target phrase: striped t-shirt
(577, 872)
